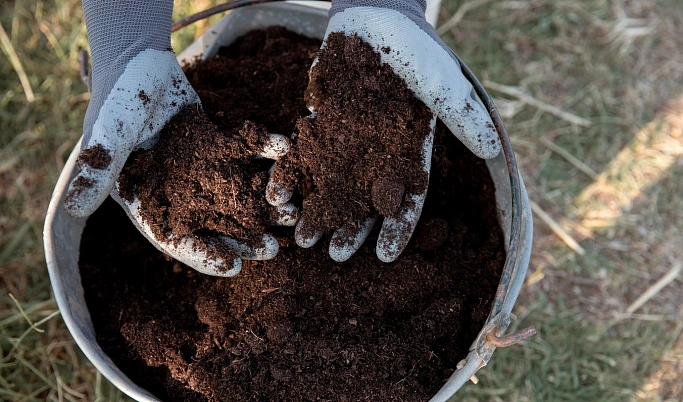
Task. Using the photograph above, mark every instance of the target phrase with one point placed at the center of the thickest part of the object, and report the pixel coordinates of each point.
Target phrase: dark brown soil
(96, 156)
(369, 126)
(431, 234)
(81, 183)
(200, 177)
(300, 327)
(387, 196)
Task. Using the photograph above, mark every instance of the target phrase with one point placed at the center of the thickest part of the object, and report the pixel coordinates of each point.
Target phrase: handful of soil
(364, 149)
(201, 177)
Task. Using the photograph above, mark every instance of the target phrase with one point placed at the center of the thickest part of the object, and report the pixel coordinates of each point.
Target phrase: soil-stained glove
(204, 260)
(137, 87)
(399, 32)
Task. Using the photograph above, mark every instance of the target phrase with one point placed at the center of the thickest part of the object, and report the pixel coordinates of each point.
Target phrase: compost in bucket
(300, 326)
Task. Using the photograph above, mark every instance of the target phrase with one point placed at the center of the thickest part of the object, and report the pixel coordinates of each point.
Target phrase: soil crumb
(200, 178)
(96, 157)
(369, 126)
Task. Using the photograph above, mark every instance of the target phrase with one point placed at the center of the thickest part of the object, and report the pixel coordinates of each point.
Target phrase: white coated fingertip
(98, 168)
(266, 249)
(276, 147)
(277, 195)
(396, 231)
(82, 197)
(285, 215)
(185, 252)
(348, 239)
(473, 126)
(305, 236)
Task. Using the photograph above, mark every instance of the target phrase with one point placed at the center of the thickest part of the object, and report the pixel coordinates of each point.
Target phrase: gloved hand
(137, 87)
(432, 72)
(203, 260)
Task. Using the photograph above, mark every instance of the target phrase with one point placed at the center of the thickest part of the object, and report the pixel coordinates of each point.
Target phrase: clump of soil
(368, 134)
(387, 196)
(201, 177)
(302, 327)
(198, 178)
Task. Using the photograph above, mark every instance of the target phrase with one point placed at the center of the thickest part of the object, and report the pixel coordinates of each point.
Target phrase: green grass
(577, 56)
(568, 54)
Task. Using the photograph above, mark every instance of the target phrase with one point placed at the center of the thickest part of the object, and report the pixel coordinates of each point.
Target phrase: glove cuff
(413, 9)
(119, 30)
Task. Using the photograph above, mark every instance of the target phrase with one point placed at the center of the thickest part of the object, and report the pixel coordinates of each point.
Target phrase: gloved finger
(305, 235)
(276, 194)
(275, 147)
(99, 167)
(184, 250)
(266, 249)
(284, 215)
(348, 239)
(470, 122)
(397, 230)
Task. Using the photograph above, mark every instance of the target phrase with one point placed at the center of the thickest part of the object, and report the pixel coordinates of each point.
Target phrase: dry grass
(40, 361)
(611, 180)
(614, 186)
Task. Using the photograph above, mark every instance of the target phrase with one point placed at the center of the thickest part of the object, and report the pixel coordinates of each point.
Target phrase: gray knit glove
(137, 87)
(432, 72)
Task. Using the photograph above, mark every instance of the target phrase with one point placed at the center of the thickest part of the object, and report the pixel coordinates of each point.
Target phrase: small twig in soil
(257, 337)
